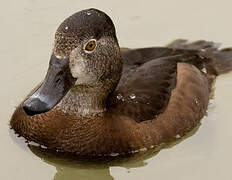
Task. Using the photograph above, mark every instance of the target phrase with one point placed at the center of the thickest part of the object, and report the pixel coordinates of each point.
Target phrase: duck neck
(84, 101)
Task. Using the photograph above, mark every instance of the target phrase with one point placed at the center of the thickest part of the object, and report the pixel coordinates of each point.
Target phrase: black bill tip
(35, 106)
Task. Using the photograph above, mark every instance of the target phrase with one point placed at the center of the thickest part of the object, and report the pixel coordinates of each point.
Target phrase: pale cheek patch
(76, 65)
(78, 68)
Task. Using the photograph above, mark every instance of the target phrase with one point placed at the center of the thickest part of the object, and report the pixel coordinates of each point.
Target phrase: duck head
(86, 53)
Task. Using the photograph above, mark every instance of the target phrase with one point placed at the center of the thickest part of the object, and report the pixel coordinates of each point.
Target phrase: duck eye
(90, 46)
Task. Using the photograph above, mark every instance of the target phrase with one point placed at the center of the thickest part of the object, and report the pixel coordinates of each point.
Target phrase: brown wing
(149, 76)
(146, 84)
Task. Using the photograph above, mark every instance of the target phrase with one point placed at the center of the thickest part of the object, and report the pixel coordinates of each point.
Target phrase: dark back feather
(149, 76)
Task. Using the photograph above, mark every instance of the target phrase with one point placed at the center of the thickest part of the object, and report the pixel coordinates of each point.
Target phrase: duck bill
(56, 84)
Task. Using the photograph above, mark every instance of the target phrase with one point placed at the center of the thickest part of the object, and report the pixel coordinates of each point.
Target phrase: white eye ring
(88, 43)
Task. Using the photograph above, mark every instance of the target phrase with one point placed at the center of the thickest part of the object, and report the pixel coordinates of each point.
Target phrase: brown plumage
(117, 101)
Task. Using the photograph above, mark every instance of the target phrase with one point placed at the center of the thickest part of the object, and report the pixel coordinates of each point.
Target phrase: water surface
(27, 30)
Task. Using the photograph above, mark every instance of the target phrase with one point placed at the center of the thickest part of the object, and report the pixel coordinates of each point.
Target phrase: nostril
(58, 80)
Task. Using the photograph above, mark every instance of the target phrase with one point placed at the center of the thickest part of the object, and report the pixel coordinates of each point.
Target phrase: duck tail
(217, 61)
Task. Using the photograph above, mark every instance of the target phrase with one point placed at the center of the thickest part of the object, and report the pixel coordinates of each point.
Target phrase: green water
(27, 31)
